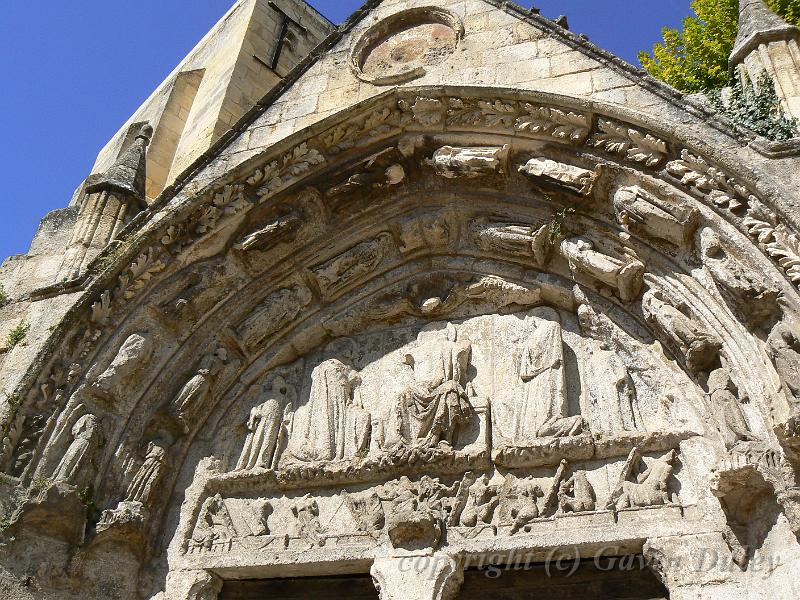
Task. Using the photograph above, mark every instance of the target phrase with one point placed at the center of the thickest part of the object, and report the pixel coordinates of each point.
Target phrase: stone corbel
(192, 585)
(436, 576)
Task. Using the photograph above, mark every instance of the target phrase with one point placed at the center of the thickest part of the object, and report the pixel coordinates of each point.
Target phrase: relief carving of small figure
(417, 513)
(268, 426)
(452, 162)
(723, 399)
(685, 335)
(215, 523)
(306, 512)
(194, 394)
(276, 311)
(783, 346)
(149, 476)
(333, 425)
(542, 409)
(626, 277)
(651, 487)
(521, 499)
(576, 494)
(571, 177)
(367, 511)
(643, 213)
(75, 466)
(283, 229)
(132, 356)
(432, 409)
(528, 241)
(482, 500)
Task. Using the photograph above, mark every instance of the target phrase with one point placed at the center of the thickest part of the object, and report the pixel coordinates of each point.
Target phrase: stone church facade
(445, 302)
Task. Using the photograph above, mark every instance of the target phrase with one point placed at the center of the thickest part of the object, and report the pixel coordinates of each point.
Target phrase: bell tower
(767, 43)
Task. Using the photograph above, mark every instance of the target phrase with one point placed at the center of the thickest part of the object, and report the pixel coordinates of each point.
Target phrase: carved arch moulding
(442, 320)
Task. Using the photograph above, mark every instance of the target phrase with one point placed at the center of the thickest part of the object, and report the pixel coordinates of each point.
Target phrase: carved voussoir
(570, 177)
(470, 162)
(645, 214)
(625, 276)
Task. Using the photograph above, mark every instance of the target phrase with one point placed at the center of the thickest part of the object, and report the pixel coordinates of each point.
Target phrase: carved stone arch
(419, 207)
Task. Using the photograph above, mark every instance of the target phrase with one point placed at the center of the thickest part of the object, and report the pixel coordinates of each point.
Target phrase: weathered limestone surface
(462, 288)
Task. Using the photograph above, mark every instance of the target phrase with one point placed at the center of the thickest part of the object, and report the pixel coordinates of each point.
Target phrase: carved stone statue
(86, 437)
(783, 346)
(282, 229)
(528, 241)
(333, 425)
(149, 475)
(651, 487)
(435, 405)
(573, 178)
(625, 277)
(189, 403)
(471, 162)
(542, 409)
(131, 357)
(684, 335)
(643, 213)
(482, 500)
(724, 403)
(521, 498)
(367, 510)
(576, 494)
(268, 427)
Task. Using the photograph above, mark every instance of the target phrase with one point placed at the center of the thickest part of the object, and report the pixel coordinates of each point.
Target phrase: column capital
(436, 576)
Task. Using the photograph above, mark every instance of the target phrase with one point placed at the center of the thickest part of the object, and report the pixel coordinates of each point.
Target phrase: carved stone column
(109, 202)
(192, 585)
(418, 577)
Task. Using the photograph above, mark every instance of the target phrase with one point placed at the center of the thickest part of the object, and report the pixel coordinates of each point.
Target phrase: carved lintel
(570, 177)
(453, 162)
(418, 577)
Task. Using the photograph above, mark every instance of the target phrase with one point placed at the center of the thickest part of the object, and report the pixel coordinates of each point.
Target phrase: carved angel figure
(333, 425)
(512, 238)
(784, 349)
(626, 277)
(435, 405)
(542, 409)
(149, 474)
(643, 213)
(195, 392)
(268, 427)
(85, 442)
(724, 402)
(131, 357)
(699, 346)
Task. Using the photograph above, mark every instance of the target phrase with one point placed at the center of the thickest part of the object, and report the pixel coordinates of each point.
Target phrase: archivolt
(349, 222)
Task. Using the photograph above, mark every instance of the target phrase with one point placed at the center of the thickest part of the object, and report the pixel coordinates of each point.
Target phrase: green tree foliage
(695, 59)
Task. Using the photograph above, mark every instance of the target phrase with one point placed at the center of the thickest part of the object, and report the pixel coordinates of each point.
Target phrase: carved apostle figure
(86, 439)
(542, 409)
(196, 391)
(724, 402)
(643, 213)
(268, 427)
(626, 277)
(690, 338)
(784, 349)
(432, 409)
(333, 425)
(149, 475)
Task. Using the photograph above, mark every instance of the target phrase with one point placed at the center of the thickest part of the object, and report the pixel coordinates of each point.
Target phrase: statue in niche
(335, 425)
(367, 511)
(306, 512)
(482, 500)
(528, 241)
(432, 409)
(783, 345)
(699, 346)
(196, 391)
(542, 409)
(268, 427)
(724, 403)
(149, 475)
(86, 440)
(576, 494)
(215, 523)
(651, 487)
(645, 214)
(131, 357)
(626, 277)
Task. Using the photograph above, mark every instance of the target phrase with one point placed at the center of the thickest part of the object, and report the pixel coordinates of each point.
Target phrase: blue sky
(75, 72)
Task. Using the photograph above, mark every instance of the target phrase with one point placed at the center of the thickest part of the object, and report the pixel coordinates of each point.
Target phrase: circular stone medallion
(399, 48)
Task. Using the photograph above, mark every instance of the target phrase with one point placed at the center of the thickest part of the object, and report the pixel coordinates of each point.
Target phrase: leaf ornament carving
(639, 147)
